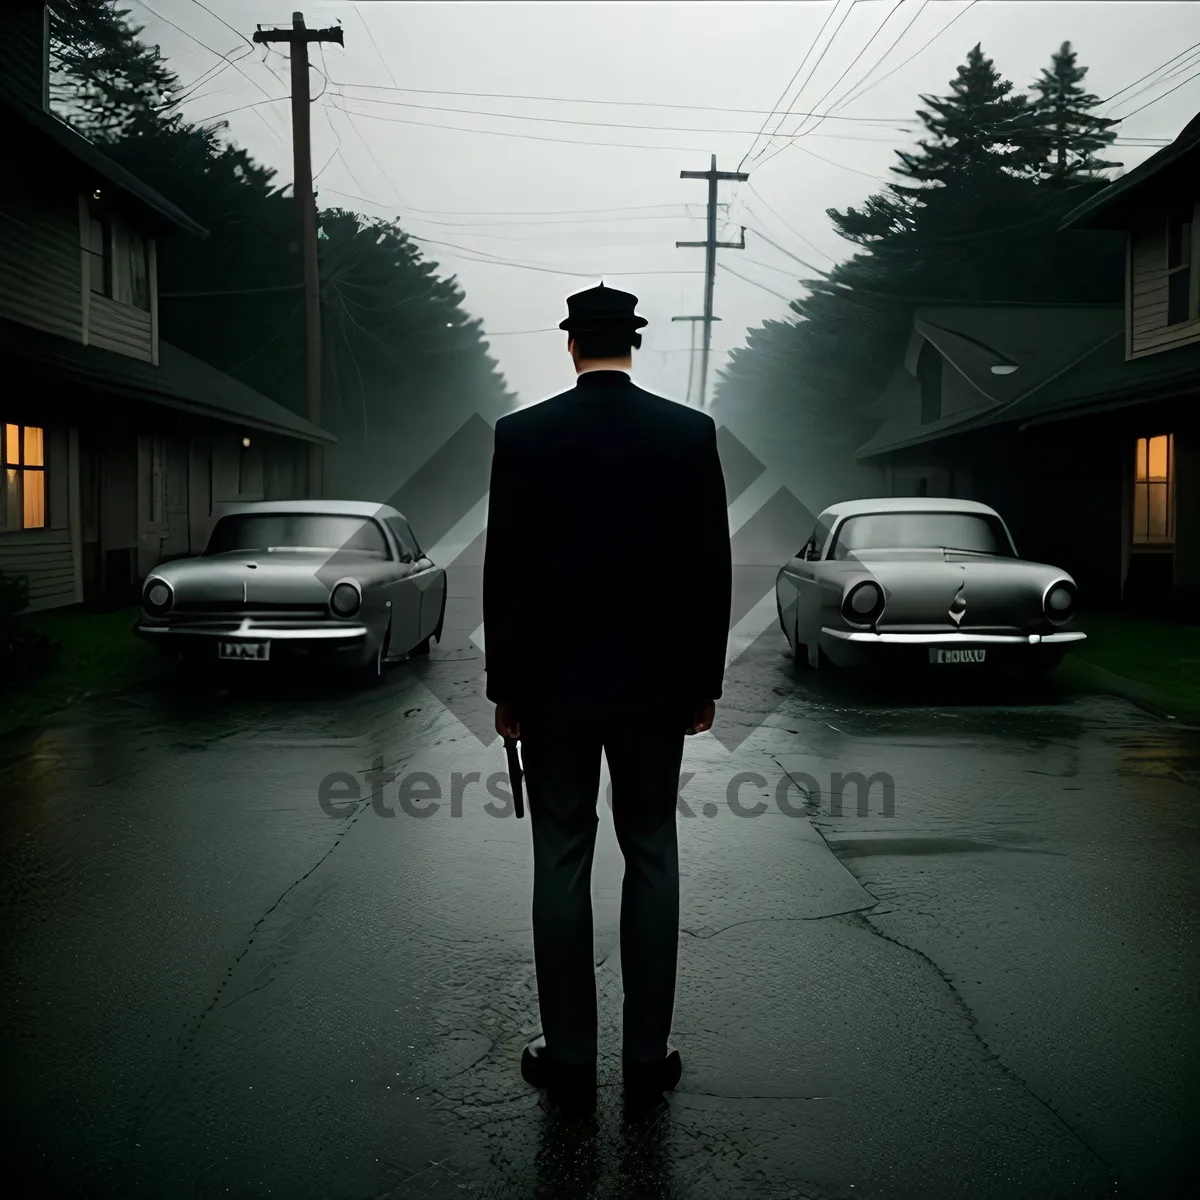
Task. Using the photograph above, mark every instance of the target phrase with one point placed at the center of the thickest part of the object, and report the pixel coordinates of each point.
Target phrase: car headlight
(157, 597)
(863, 603)
(345, 599)
(1059, 601)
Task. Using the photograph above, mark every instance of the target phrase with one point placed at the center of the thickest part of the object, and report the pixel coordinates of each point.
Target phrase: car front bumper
(336, 642)
(852, 647)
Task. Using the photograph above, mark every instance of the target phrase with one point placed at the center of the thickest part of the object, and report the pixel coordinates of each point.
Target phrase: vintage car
(925, 581)
(319, 581)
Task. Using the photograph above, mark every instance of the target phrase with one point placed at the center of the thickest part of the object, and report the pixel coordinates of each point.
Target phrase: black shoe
(567, 1086)
(653, 1078)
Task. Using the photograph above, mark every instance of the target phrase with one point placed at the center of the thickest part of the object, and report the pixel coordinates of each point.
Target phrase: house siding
(1149, 332)
(120, 328)
(40, 275)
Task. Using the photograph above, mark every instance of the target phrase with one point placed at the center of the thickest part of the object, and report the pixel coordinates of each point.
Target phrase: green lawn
(99, 654)
(1162, 659)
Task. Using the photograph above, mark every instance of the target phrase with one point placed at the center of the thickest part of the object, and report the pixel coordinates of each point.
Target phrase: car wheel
(799, 653)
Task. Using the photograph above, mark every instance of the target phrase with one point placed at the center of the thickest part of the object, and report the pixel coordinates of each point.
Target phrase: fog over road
(217, 987)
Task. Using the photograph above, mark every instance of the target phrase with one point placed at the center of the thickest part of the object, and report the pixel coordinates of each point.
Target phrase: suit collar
(590, 379)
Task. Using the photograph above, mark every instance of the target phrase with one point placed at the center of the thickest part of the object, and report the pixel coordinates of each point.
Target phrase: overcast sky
(608, 73)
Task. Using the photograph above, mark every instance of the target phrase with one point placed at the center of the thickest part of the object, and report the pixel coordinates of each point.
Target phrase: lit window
(1154, 491)
(24, 498)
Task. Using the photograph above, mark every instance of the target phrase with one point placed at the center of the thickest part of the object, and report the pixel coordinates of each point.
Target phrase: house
(1080, 424)
(117, 446)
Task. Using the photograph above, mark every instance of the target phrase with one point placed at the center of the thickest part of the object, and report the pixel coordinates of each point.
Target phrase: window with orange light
(1154, 491)
(24, 498)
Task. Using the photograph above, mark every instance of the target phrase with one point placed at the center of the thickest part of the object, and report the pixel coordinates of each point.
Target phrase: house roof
(179, 381)
(1109, 209)
(157, 208)
(1042, 341)
(1099, 379)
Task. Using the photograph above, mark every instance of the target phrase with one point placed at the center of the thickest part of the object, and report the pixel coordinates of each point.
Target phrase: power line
(849, 68)
(751, 112)
(754, 282)
(483, 257)
(845, 99)
(788, 88)
(524, 136)
(505, 116)
(232, 62)
(813, 69)
(491, 213)
(1165, 94)
(794, 230)
(374, 43)
(1110, 99)
(920, 50)
(782, 250)
(1186, 65)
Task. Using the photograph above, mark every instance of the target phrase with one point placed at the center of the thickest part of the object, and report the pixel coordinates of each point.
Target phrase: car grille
(226, 609)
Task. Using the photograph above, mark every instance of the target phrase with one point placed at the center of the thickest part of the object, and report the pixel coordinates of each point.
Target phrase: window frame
(113, 259)
(22, 470)
(406, 540)
(993, 520)
(1150, 543)
(1183, 216)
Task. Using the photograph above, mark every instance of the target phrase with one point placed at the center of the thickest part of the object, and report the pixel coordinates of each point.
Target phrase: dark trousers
(562, 774)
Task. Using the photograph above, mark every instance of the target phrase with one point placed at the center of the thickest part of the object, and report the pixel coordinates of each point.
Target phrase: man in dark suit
(606, 600)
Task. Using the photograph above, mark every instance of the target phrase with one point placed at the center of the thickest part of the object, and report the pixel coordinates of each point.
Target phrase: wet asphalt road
(216, 987)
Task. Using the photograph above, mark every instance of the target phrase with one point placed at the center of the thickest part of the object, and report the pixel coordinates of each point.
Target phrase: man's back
(611, 514)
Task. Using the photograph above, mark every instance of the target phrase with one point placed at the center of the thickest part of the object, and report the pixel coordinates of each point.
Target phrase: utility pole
(692, 354)
(711, 246)
(298, 38)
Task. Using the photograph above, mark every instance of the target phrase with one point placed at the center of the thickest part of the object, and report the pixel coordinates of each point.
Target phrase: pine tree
(103, 80)
(1071, 135)
(981, 125)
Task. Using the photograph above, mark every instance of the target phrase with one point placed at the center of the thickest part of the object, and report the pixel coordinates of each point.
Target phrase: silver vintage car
(922, 581)
(301, 581)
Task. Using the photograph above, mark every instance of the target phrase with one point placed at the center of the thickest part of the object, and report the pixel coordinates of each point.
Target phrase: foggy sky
(728, 55)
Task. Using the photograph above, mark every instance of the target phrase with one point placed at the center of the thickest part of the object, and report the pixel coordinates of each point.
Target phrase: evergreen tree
(1071, 135)
(972, 222)
(103, 80)
(981, 125)
(399, 350)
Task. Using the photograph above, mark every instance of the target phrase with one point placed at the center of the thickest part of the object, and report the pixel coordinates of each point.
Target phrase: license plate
(957, 656)
(252, 651)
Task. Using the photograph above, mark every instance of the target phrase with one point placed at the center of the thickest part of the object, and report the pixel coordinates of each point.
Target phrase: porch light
(246, 442)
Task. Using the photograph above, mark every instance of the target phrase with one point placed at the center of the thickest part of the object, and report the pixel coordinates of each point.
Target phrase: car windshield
(975, 533)
(267, 532)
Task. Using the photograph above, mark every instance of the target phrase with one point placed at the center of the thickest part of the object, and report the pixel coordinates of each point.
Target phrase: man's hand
(703, 714)
(507, 724)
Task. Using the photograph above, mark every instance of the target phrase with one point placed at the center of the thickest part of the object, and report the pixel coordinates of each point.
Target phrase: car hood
(287, 577)
(920, 587)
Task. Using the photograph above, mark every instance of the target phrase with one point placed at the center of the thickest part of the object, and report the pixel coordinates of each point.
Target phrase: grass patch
(1161, 658)
(99, 654)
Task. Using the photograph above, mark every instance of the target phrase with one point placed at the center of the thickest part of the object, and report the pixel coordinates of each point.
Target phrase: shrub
(25, 654)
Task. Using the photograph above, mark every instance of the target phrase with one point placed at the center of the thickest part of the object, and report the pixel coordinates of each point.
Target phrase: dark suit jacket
(607, 576)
